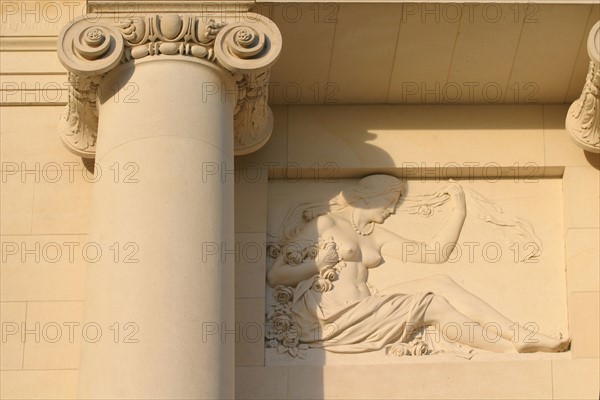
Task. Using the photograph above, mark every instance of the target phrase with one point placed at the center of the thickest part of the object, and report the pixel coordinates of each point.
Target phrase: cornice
(27, 43)
(128, 7)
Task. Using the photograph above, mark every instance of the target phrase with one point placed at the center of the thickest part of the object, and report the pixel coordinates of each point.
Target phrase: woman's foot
(532, 342)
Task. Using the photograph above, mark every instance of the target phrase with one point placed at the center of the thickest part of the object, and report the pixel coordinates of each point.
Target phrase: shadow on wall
(410, 136)
(593, 159)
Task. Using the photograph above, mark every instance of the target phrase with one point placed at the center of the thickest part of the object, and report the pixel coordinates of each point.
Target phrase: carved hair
(367, 188)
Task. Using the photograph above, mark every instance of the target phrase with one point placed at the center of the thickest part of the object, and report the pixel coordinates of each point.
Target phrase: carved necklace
(355, 227)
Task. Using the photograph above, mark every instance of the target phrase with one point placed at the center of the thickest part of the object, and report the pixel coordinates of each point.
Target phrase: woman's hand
(327, 259)
(457, 196)
(327, 256)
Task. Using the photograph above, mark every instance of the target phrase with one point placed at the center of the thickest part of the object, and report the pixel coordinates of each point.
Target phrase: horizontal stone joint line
(173, 136)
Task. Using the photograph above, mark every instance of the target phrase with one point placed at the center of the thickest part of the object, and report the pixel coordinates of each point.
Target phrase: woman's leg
(463, 300)
(479, 311)
(442, 315)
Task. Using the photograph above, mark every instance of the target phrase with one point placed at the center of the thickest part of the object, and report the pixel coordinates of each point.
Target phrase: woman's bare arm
(282, 273)
(440, 247)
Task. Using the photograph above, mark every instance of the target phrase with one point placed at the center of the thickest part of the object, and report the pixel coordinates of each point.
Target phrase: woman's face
(381, 207)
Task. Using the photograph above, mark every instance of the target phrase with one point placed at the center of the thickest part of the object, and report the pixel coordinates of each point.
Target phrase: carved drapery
(583, 117)
(246, 50)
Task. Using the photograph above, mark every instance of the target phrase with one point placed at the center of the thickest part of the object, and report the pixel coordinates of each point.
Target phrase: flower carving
(281, 323)
(283, 294)
(321, 284)
(293, 254)
(425, 211)
(312, 252)
(283, 332)
(273, 250)
(330, 273)
(416, 347)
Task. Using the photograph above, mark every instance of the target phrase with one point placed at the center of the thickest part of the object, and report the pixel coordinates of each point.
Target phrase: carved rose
(293, 254)
(322, 284)
(399, 350)
(279, 308)
(282, 332)
(281, 323)
(425, 211)
(291, 341)
(329, 273)
(420, 348)
(273, 250)
(416, 347)
(292, 337)
(283, 294)
(312, 252)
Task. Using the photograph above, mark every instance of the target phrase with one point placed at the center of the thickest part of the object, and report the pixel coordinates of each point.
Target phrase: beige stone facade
(393, 88)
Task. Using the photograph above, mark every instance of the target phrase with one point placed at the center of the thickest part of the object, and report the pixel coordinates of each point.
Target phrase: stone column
(583, 117)
(163, 103)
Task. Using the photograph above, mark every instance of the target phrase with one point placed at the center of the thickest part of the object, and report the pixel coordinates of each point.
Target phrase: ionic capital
(245, 45)
(583, 117)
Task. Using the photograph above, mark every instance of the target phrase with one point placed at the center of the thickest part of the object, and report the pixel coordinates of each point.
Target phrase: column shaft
(166, 125)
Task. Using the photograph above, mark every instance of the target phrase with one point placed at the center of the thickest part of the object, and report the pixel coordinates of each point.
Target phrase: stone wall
(45, 195)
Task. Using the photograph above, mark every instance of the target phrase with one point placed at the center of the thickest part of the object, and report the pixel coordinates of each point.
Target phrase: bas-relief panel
(508, 256)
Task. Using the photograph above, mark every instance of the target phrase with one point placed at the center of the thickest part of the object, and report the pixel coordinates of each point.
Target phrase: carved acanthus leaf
(253, 119)
(78, 124)
(583, 117)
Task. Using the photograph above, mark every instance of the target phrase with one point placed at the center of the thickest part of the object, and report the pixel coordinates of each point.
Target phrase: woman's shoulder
(325, 222)
(318, 225)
